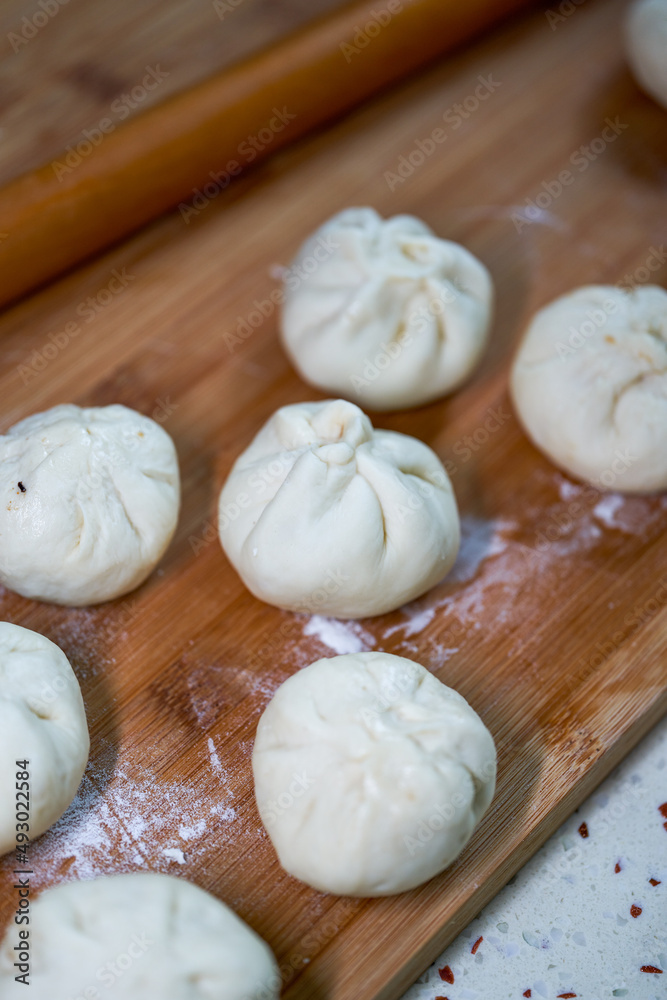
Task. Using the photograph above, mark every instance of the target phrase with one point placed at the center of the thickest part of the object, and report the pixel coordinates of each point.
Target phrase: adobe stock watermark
(260, 486)
(390, 351)
(107, 456)
(32, 24)
(634, 620)
(581, 159)
(274, 472)
(315, 939)
(392, 690)
(51, 691)
(292, 278)
(125, 614)
(563, 522)
(442, 815)
(120, 108)
(365, 33)
(464, 449)
(597, 316)
(248, 151)
(22, 870)
(565, 10)
(263, 484)
(453, 117)
(87, 310)
(415, 499)
(468, 445)
(297, 787)
(112, 971)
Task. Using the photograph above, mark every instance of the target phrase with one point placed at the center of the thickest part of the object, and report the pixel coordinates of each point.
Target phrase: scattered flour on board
(259, 683)
(175, 854)
(481, 540)
(581, 525)
(86, 637)
(417, 621)
(340, 636)
(123, 819)
(118, 822)
(606, 510)
(218, 769)
(567, 489)
(215, 760)
(490, 562)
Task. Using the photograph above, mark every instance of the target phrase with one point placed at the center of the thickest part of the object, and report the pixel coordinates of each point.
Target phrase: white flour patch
(440, 655)
(577, 522)
(218, 770)
(215, 760)
(480, 540)
(340, 636)
(605, 511)
(418, 619)
(500, 574)
(192, 832)
(567, 489)
(577, 538)
(277, 271)
(226, 813)
(174, 854)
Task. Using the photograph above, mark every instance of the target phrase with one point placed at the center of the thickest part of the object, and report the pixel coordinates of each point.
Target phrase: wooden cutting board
(553, 625)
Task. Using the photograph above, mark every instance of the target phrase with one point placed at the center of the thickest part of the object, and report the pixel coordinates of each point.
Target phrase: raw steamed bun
(383, 311)
(646, 40)
(138, 937)
(324, 513)
(91, 500)
(589, 383)
(370, 775)
(42, 720)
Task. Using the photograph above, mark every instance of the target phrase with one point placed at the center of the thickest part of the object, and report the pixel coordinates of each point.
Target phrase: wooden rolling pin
(54, 217)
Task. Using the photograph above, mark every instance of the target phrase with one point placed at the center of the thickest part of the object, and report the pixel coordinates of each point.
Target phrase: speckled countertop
(587, 916)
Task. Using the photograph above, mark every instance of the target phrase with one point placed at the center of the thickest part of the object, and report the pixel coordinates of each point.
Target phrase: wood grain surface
(63, 77)
(554, 624)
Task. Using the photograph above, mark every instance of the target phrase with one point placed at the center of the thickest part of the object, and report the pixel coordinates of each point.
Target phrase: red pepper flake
(583, 831)
(476, 945)
(663, 809)
(654, 881)
(665, 825)
(650, 968)
(441, 998)
(617, 867)
(446, 975)
(566, 996)
(528, 993)
(635, 910)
